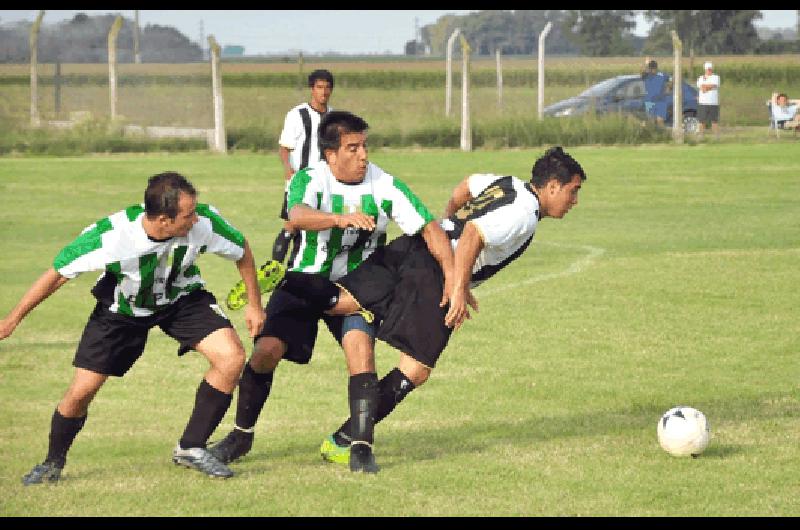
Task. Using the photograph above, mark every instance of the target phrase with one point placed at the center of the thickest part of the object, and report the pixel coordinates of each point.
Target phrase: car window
(601, 88)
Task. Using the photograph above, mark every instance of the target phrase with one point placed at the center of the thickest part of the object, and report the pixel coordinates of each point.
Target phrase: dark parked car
(623, 93)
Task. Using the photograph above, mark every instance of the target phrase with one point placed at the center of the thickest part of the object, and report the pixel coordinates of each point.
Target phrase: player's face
(186, 217)
(562, 197)
(320, 93)
(349, 162)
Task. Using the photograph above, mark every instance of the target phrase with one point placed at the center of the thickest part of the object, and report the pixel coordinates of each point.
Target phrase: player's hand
(254, 317)
(356, 220)
(7, 327)
(458, 312)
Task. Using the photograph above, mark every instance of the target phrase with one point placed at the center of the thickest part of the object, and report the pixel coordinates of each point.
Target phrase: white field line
(590, 255)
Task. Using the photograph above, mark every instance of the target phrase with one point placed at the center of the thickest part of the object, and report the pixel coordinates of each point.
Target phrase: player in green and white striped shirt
(343, 208)
(146, 254)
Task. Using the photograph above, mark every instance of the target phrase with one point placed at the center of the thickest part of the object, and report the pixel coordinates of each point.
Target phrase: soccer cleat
(44, 472)
(202, 460)
(362, 459)
(234, 446)
(331, 452)
(268, 275)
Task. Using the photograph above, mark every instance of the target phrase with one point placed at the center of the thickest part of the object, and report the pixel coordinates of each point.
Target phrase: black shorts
(284, 212)
(708, 113)
(291, 320)
(401, 284)
(111, 342)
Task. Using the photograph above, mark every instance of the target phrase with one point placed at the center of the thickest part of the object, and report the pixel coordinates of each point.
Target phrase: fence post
(220, 142)
(466, 128)
(57, 90)
(540, 99)
(34, 43)
(677, 90)
(112, 64)
(137, 56)
(499, 79)
(449, 81)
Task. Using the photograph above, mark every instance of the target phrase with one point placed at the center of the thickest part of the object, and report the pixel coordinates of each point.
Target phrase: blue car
(624, 93)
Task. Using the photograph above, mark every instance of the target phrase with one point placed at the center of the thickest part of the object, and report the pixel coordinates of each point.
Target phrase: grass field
(674, 281)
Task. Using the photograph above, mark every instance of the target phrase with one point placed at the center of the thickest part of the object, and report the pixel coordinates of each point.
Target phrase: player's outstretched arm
(47, 284)
(254, 313)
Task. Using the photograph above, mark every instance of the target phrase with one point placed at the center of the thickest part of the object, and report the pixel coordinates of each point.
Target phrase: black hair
(163, 192)
(652, 65)
(555, 164)
(320, 74)
(334, 124)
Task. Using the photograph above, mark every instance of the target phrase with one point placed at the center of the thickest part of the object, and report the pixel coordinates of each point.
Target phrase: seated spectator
(784, 111)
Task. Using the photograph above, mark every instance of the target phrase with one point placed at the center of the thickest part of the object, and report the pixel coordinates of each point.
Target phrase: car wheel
(690, 123)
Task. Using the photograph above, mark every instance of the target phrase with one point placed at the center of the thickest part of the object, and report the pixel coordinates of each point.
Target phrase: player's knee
(267, 353)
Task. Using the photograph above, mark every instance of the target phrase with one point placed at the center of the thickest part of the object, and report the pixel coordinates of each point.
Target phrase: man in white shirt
(784, 110)
(298, 148)
(708, 99)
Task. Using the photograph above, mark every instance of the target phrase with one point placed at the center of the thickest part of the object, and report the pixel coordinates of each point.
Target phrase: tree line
(602, 32)
(84, 39)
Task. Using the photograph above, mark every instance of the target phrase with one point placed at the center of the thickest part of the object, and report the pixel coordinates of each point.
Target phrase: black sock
(362, 390)
(320, 293)
(392, 388)
(210, 406)
(253, 393)
(63, 431)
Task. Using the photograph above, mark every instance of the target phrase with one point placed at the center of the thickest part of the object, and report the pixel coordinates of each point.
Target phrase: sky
(269, 32)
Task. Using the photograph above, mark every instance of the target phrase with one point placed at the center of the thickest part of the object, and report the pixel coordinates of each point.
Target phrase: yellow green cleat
(268, 275)
(331, 452)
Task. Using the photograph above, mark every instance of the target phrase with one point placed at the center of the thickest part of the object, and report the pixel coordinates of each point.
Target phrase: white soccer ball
(683, 431)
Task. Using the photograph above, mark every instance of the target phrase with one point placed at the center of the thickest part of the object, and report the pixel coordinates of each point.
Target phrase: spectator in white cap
(708, 99)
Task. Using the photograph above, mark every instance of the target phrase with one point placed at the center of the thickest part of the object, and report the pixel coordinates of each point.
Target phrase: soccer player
(298, 149)
(490, 220)
(343, 208)
(146, 253)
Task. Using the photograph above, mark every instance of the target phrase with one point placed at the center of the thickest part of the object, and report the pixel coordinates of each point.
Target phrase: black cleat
(44, 472)
(362, 459)
(202, 460)
(234, 446)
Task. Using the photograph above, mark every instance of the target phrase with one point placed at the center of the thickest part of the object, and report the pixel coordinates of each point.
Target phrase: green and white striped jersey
(334, 252)
(140, 275)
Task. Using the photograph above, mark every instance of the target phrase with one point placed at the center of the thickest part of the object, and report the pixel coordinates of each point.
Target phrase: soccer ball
(683, 431)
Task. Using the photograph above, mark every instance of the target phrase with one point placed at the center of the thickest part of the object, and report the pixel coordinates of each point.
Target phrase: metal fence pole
(540, 99)
(220, 141)
(34, 43)
(677, 90)
(112, 64)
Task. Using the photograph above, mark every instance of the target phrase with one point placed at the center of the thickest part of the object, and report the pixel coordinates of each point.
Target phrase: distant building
(232, 50)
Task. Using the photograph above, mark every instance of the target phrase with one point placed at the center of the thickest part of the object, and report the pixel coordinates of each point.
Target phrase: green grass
(674, 281)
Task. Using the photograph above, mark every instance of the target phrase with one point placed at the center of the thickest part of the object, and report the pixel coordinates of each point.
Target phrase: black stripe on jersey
(306, 117)
(499, 194)
(490, 270)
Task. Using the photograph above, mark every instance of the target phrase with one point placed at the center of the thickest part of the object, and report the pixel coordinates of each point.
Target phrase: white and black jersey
(505, 210)
(299, 135)
(142, 276)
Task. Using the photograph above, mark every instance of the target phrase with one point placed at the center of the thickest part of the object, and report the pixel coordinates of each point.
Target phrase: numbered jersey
(142, 275)
(335, 252)
(505, 210)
